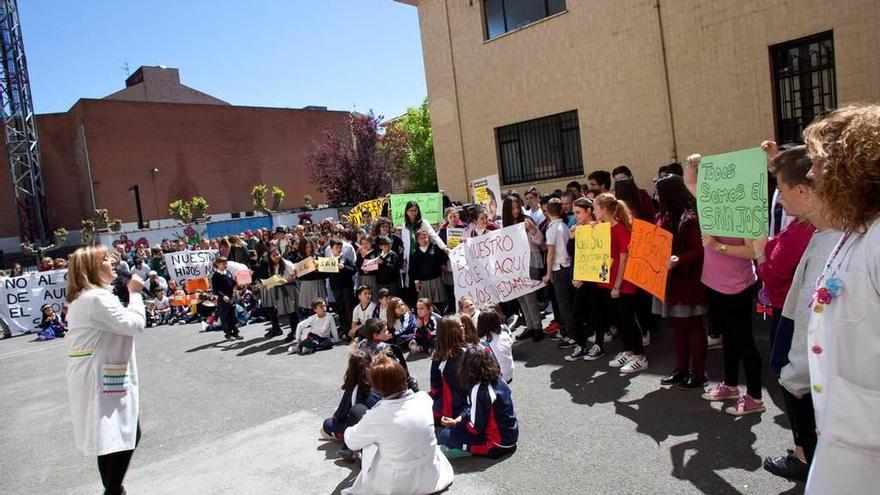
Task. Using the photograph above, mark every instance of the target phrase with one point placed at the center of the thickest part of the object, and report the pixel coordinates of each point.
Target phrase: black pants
(227, 317)
(114, 466)
(732, 315)
(344, 306)
(582, 311)
(624, 307)
(646, 317)
(803, 422)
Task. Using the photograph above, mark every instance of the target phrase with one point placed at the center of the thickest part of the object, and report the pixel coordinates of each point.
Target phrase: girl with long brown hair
(449, 398)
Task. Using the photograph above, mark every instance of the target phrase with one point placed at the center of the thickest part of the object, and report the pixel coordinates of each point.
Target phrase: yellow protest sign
(305, 267)
(592, 253)
(328, 265)
(365, 212)
(453, 237)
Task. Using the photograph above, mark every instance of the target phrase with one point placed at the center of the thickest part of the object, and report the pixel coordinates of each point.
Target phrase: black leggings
(732, 315)
(803, 422)
(114, 466)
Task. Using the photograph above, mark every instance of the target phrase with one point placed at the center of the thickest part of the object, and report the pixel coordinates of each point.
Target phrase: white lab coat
(844, 357)
(102, 379)
(400, 452)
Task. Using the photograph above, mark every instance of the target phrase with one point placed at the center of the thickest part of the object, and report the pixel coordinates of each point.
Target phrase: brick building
(542, 92)
(173, 142)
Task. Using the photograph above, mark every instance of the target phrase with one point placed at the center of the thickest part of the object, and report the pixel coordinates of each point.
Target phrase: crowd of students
(394, 294)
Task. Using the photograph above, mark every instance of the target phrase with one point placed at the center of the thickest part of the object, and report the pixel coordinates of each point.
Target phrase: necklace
(828, 288)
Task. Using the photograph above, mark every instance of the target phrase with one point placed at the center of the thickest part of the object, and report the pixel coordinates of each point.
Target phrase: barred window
(506, 15)
(540, 149)
(804, 84)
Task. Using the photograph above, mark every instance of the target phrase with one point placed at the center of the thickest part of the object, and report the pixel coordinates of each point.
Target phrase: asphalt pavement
(243, 417)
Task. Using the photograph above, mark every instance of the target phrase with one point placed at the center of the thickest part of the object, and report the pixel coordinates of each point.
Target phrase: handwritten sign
(187, 265)
(365, 212)
(649, 250)
(493, 267)
(240, 273)
(430, 204)
(370, 265)
(328, 265)
(592, 252)
(23, 296)
(732, 194)
(305, 267)
(453, 237)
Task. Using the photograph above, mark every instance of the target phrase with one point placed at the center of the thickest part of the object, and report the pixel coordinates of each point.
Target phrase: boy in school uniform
(363, 311)
(559, 265)
(317, 332)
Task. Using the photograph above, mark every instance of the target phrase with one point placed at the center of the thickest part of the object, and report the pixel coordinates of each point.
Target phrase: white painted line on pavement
(22, 352)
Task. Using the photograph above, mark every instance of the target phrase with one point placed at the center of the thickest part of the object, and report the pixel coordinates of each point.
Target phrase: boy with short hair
(559, 265)
(162, 306)
(317, 332)
(382, 308)
(362, 311)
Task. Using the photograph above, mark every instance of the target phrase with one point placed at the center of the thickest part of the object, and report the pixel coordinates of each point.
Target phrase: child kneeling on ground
(317, 332)
(488, 426)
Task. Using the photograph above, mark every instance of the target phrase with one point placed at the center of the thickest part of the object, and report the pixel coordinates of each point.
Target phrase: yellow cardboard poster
(328, 265)
(592, 253)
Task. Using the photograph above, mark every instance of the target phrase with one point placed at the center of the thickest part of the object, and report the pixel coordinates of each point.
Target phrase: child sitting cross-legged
(357, 398)
(487, 426)
(317, 332)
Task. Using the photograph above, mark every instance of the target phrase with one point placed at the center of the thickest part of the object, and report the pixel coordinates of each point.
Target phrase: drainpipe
(82, 129)
(666, 78)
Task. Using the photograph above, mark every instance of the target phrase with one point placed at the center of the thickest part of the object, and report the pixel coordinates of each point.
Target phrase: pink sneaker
(745, 405)
(721, 392)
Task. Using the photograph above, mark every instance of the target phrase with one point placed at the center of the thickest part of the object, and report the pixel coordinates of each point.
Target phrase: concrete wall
(604, 58)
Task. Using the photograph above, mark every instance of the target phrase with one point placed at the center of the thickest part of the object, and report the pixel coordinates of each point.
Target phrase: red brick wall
(214, 151)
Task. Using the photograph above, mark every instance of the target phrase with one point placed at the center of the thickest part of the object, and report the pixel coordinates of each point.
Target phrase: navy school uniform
(425, 334)
(342, 417)
(489, 426)
(449, 398)
(404, 329)
(388, 273)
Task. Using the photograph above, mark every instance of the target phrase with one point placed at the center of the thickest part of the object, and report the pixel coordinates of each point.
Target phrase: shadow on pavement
(268, 345)
(207, 346)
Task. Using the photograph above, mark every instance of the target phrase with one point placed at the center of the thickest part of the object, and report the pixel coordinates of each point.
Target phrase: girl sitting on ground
(357, 398)
(401, 322)
(426, 326)
(50, 325)
(488, 425)
(449, 397)
(496, 338)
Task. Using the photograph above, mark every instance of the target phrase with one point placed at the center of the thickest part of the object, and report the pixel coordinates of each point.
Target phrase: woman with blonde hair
(102, 379)
(842, 336)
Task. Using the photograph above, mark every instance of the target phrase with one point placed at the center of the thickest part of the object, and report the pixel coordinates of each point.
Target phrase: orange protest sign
(195, 284)
(649, 250)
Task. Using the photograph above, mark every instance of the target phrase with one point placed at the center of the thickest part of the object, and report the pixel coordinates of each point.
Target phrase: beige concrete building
(543, 92)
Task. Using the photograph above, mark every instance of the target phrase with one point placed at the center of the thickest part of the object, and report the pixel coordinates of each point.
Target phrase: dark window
(540, 149)
(804, 84)
(506, 15)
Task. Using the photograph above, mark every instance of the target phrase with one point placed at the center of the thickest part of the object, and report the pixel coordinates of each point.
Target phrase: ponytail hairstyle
(618, 209)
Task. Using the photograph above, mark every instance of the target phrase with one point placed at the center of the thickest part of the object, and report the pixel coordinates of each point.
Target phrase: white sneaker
(646, 340)
(715, 343)
(636, 363)
(293, 349)
(413, 346)
(619, 360)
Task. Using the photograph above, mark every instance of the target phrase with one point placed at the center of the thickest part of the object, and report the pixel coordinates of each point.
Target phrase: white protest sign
(23, 296)
(493, 267)
(187, 265)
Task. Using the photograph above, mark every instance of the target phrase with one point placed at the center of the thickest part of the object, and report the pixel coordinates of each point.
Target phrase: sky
(343, 54)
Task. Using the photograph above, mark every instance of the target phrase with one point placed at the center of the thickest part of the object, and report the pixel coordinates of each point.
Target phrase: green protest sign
(431, 205)
(732, 194)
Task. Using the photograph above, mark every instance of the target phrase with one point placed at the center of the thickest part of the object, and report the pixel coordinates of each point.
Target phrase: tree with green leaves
(412, 132)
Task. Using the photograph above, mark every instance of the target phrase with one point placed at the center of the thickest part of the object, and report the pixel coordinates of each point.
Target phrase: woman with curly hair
(488, 425)
(843, 338)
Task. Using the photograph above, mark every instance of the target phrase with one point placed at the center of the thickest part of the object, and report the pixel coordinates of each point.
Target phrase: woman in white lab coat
(843, 338)
(102, 378)
(400, 452)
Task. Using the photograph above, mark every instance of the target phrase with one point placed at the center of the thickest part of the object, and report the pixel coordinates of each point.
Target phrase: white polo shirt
(557, 236)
